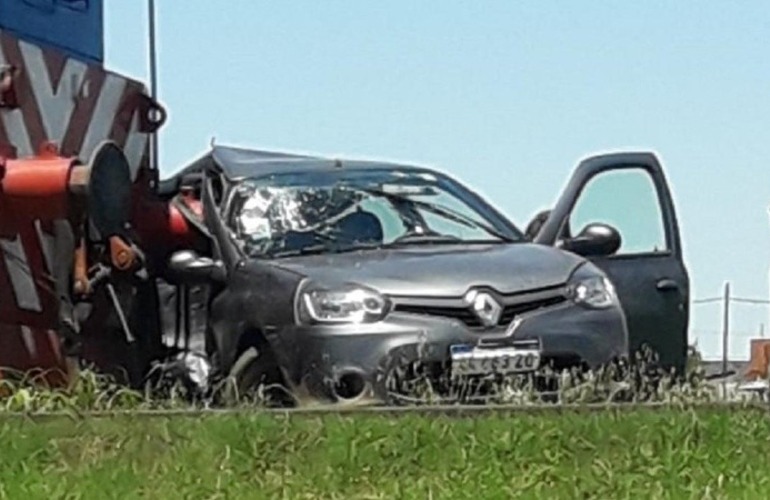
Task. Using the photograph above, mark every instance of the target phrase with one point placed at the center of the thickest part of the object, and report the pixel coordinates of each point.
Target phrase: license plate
(474, 360)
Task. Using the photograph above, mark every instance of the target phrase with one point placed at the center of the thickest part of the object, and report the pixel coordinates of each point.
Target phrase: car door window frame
(597, 165)
(659, 197)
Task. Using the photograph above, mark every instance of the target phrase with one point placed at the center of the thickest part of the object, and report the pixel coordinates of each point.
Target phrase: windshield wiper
(308, 250)
(321, 248)
(425, 239)
(442, 211)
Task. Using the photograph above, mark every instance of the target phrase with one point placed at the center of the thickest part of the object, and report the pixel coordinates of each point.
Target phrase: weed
(638, 380)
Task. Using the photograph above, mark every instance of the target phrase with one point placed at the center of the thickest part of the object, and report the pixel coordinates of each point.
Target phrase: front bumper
(316, 357)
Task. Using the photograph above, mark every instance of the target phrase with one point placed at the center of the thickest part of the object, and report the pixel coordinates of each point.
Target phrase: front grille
(467, 316)
(510, 312)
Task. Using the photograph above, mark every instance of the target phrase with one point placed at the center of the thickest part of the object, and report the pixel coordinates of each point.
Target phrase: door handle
(667, 284)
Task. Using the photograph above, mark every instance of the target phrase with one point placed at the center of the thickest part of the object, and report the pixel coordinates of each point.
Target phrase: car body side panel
(657, 318)
(256, 301)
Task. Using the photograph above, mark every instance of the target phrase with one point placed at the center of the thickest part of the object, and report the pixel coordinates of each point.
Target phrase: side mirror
(188, 267)
(536, 224)
(594, 240)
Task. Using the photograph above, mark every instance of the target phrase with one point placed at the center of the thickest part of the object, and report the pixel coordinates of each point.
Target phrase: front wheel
(256, 378)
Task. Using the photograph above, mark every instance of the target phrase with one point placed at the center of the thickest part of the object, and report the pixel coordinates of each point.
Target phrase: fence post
(725, 326)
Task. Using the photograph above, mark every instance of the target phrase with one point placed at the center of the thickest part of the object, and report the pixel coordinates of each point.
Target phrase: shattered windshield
(343, 210)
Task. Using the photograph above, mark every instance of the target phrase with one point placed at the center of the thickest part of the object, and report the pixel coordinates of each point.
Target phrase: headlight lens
(595, 292)
(351, 304)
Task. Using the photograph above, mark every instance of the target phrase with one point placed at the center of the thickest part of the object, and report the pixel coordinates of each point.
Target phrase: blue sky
(507, 96)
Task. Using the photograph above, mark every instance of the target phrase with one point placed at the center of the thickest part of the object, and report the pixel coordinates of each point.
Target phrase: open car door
(617, 211)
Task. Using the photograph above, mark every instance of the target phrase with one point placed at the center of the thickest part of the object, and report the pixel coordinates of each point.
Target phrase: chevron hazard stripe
(77, 106)
(69, 102)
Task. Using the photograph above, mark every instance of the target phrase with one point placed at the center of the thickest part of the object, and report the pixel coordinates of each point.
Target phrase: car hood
(441, 271)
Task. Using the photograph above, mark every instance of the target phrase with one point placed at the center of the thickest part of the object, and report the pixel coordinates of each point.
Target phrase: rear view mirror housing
(536, 223)
(186, 266)
(595, 240)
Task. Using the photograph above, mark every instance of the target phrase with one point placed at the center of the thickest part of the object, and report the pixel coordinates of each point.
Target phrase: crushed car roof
(239, 163)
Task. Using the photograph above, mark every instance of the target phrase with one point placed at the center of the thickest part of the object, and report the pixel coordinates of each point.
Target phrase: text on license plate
(472, 360)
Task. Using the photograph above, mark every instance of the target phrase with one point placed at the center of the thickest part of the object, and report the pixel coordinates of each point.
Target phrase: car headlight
(347, 304)
(593, 291)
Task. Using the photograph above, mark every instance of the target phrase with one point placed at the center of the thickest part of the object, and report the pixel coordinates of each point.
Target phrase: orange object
(80, 277)
(121, 254)
(760, 359)
(162, 225)
(38, 187)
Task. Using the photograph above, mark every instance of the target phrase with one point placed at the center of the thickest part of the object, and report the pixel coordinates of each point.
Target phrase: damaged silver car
(330, 279)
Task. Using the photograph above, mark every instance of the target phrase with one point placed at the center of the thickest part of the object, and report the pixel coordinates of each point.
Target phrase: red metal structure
(74, 141)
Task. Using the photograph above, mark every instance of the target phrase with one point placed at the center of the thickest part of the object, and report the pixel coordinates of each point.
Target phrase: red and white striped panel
(76, 105)
(27, 301)
(70, 102)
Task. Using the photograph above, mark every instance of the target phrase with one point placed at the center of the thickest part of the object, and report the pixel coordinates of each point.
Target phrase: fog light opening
(350, 385)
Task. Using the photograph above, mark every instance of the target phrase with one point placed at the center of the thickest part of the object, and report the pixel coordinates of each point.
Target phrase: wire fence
(732, 299)
(729, 337)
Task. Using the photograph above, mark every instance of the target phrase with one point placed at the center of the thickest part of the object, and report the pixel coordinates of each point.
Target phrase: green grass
(635, 381)
(660, 453)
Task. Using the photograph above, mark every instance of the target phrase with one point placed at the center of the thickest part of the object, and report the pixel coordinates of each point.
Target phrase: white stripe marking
(135, 146)
(55, 342)
(14, 124)
(21, 275)
(17, 132)
(29, 341)
(46, 244)
(100, 125)
(55, 105)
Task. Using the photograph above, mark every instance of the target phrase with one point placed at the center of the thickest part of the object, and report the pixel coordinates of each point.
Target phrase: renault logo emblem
(484, 305)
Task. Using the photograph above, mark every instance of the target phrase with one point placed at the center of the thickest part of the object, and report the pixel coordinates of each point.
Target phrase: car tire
(256, 377)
